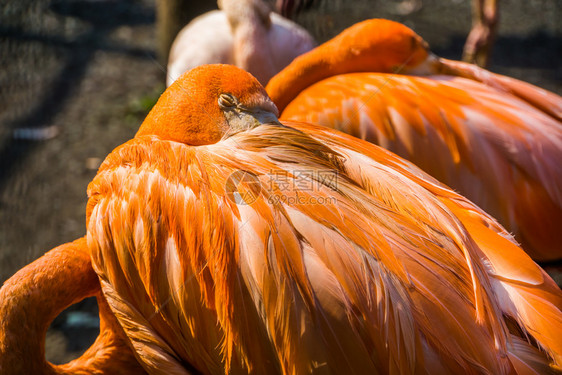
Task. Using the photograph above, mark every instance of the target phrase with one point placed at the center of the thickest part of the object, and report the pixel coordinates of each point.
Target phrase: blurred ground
(85, 74)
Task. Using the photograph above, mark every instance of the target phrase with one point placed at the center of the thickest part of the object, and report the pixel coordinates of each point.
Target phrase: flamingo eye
(226, 101)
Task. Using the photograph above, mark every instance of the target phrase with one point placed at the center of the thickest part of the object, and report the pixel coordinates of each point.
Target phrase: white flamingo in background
(245, 33)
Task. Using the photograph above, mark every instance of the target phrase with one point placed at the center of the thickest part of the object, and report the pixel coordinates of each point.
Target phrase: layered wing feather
(326, 255)
(543, 100)
(493, 147)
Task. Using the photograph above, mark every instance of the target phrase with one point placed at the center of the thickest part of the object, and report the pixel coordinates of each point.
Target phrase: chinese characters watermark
(298, 187)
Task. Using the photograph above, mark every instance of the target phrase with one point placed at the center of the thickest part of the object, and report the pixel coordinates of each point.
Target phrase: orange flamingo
(497, 140)
(35, 295)
(245, 33)
(227, 242)
(480, 40)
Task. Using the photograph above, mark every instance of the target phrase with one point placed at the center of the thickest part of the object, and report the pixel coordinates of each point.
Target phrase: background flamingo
(485, 19)
(244, 33)
(36, 294)
(478, 46)
(248, 274)
(495, 139)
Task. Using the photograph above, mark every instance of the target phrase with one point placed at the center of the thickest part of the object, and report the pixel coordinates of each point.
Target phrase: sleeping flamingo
(244, 33)
(35, 295)
(228, 242)
(478, 46)
(496, 140)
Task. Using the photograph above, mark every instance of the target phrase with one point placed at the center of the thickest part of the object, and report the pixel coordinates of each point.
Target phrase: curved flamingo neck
(35, 295)
(250, 23)
(370, 46)
(251, 51)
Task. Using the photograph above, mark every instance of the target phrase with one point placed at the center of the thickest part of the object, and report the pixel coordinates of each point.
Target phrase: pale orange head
(207, 104)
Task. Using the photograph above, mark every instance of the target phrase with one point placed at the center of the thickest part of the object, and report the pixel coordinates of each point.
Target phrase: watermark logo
(304, 180)
(298, 187)
(300, 200)
(243, 187)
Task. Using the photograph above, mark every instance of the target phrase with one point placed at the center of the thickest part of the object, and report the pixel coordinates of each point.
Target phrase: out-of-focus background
(79, 76)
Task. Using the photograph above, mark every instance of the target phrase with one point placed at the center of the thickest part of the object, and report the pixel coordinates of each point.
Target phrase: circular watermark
(243, 187)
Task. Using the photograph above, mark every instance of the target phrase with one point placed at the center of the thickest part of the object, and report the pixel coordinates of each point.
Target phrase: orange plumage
(35, 295)
(329, 255)
(498, 141)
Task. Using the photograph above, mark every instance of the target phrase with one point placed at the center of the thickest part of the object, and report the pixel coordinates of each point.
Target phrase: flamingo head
(207, 104)
(381, 45)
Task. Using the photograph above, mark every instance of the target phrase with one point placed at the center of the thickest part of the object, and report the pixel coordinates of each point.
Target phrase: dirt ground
(83, 74)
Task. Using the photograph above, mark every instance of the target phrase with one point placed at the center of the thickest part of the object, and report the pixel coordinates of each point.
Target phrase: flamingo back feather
(274, 281)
